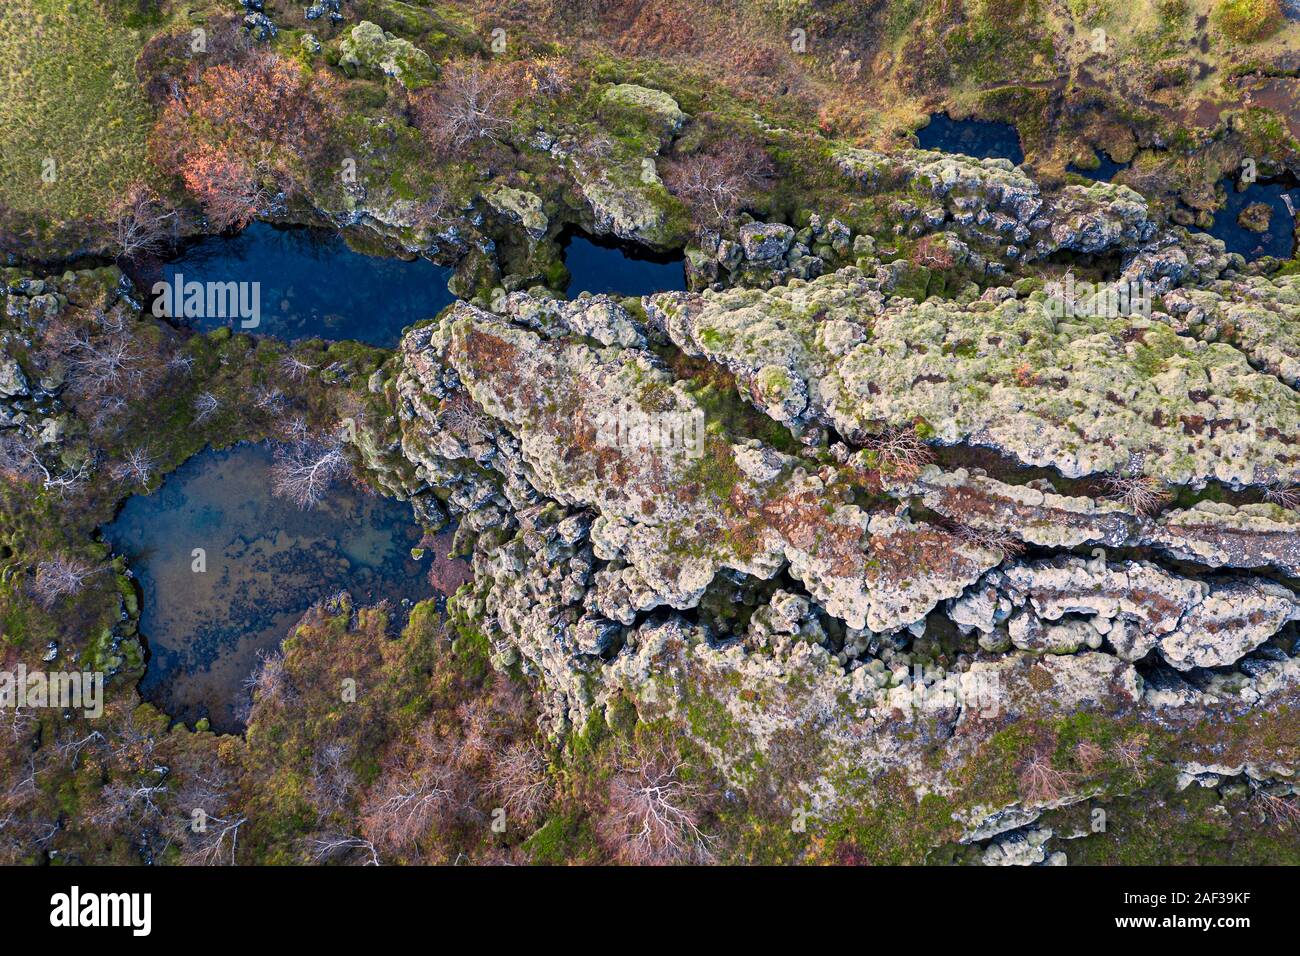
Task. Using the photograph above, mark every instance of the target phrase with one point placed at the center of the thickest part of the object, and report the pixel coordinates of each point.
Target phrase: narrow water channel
(311, 284)
(982, 139)
(600, 265)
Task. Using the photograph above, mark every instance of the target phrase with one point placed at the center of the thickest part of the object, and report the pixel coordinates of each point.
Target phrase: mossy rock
(644, 107)
(370, 48)
(1248, 20)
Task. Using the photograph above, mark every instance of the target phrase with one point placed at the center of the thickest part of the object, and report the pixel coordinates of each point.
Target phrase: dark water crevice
(600, 264)
(224, 570)
(983, 139)
(1281, 195)
(312, 284)
(1105, 171)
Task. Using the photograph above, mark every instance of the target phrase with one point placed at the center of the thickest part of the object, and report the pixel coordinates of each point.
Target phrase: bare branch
(304, 471)
(58, 578)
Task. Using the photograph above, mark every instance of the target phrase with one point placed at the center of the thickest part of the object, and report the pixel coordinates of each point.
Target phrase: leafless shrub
(1279, 810)
(269, 684)
(993, 539)
(130, 803)
(58, 578)
(271, 400)
(143, 223)
(471, 104)
(70, 748)
(111, 361)
(549, 76)
(518, 775)
(327, 847)
(305, 471)
(217, 844)
(205, 404)
(653, 815)
(1144, 494)
(414, 790)
(20, 460)
(330, 779)
(462, 416)
(180, 362)
(433, 210)
(293, 429)
(1283, 495)
(137, 467)
(1040, 782)
(717, 181)
(1130, 753)
(109, 408)
(295, 369)
(900, 452)
(207, 826)
(1089, 755)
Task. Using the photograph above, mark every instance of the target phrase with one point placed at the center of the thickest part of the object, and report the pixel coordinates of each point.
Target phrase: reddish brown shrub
(932, 252)
(243, 128)
(718, 180)
(471, 105)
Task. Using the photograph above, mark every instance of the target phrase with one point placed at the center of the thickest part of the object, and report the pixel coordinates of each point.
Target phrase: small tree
(1280, 810)
(143, 224)
(227, 186)
(243, 130)
(717, 181)
(1040, 782)
(1130, 754)
(654, 816)
(900, 452)
(137, 467)
(518, 775)
(417, 785)
(294, 368)
(473, 103)
(1284, 495)
(994, 539)
(206, 821)
(58, 578)
(306, 470)
(1088, 755)
(205, 404)
(1144, 494)
(269, 685)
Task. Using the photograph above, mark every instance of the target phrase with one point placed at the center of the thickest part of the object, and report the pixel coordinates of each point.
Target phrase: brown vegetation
(717, 181)
(242, 130)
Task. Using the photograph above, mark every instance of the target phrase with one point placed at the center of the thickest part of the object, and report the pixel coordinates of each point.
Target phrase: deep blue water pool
(979, 138)
(1279, 240)
(312, 285)
(602, 266)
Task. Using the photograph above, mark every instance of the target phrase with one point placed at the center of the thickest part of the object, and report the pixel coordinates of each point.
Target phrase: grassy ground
(68, 92)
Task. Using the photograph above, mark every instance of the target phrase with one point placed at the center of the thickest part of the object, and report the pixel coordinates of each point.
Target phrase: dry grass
(68, 91)
(1143, 494)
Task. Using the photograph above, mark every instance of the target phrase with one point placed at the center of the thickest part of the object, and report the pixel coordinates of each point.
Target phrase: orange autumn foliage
(244, 130)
